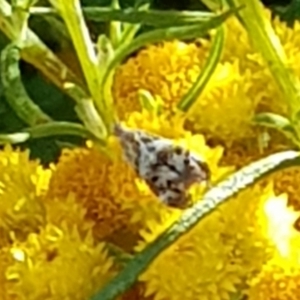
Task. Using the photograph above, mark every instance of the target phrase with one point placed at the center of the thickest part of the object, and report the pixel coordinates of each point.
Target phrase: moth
(168, 169)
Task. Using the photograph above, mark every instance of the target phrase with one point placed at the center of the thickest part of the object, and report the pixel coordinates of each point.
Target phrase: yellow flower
(225, 108)
(23, 183)
(217, 256)
(96, 182)
(287, 181)
(279, 279)
(262, 83)
(57, 264)
(69, 211)
(276, 282)
(5, 261)
(241, 85)
(166, 70)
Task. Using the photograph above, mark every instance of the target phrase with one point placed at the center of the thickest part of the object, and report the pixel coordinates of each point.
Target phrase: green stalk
(268, 44)
(130, 30)
(191, 217)
(20, 15)
(210, 65)
(72, 15)
(115, 27)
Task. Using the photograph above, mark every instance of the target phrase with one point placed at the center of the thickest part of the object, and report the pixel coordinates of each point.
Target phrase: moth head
(197, 171)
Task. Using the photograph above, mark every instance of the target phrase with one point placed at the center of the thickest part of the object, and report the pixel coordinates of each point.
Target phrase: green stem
(115, 27)
(210, 65)
(86, 53)
(191, 217)
(130, 30)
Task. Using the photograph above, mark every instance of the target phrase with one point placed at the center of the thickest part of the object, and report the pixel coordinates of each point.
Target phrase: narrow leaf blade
(210, 65)
(14, 90)
(277, 122)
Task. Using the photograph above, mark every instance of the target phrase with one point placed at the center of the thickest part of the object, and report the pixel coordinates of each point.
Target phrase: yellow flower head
(227, 253)
(280, 277)
(97, 183)
(225, 109)
(287, 181)
(169, 70)
(262, 85)
(166, 70)
(57, 264)
(22, 185)
(241, 85)
(69, 211)
(275, 282)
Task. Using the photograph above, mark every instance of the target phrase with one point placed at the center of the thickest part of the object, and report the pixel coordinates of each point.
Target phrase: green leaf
(210, 65)
(46, 130)
(191, 217)
(130, 30)
(156, 18)
(146, 100)
(39, 55)
(105, 52)
(14, 138)
(278, 122)
(14, 90)
(87, 112)
(272, 120)
(57, 129)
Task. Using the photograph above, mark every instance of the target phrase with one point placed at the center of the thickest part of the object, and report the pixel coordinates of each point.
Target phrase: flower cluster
(47, 248)
(60, 226)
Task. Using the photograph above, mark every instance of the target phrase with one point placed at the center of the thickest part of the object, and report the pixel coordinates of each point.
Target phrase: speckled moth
(168, 169)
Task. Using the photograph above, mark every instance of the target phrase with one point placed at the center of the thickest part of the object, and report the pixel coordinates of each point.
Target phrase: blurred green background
(58, 105)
